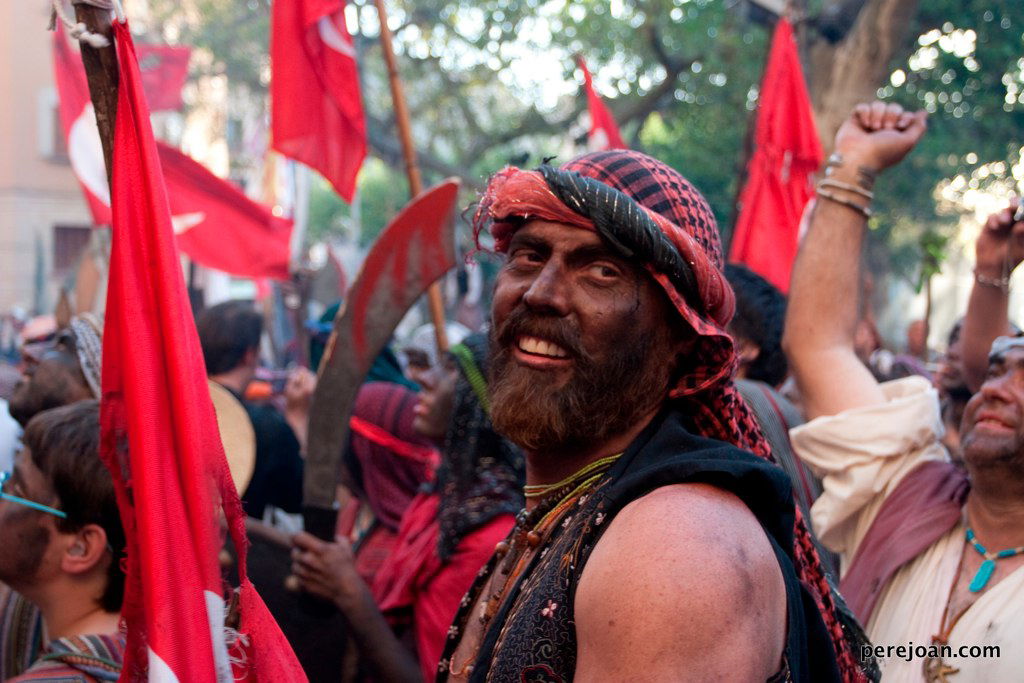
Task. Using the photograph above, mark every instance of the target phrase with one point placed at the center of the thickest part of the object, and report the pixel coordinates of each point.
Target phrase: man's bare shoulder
(686, 577)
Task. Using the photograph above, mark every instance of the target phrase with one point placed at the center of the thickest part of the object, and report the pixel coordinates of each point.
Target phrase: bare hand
(880, 134)
(298, 390)
(327, 570)
(1000, 246)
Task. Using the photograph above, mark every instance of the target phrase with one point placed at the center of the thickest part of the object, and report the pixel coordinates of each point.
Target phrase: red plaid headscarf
(707, 392)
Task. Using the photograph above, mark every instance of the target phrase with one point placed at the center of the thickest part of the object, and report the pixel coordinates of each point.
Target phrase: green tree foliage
(378, 204)
(966, 68)
(493, 81)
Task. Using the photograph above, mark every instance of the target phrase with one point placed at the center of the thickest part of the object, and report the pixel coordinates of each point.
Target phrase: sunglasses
(4, 477)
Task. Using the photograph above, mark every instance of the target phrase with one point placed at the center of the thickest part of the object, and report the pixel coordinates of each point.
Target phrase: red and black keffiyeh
(649, 212)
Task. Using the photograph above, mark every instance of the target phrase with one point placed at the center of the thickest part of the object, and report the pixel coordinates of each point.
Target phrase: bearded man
(61, 371)
(56, 373)
(932, 557)
(657, 542)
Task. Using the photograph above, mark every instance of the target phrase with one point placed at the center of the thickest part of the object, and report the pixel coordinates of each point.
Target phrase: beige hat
(237, 435)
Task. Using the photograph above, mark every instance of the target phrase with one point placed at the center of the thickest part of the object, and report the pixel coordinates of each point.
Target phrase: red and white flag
(216, 224)
(604, 132)
(78, 121)
(164, 71)
(316, 109)
(160, 440)
(787, 154)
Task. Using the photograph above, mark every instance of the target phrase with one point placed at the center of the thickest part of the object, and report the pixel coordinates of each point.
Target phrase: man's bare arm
(998, 251)
(669, 595)
(822, 310)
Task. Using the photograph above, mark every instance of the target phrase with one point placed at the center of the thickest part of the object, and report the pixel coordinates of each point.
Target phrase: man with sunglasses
(59, 371)
(59, 522)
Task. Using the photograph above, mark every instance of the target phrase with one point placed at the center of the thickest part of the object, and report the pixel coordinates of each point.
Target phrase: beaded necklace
(987, 567)
(596, 468)
(533, 527)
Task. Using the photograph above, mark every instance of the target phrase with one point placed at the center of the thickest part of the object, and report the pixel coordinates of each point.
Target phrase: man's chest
(975, 577)
(474, 627)
(929, 603)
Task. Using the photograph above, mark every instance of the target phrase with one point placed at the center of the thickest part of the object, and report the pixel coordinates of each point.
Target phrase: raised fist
(880, 134)
(1000, 245)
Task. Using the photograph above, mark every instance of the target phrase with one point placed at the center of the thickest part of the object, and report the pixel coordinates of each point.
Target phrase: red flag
(604, 132)
(787, 154)
(216, 224)
(164, 72)
(78, 120)
(316, 109)
(160, 440)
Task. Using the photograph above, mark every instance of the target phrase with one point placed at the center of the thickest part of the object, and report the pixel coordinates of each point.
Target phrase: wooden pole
(102, 74)
(434, 299)
(927, 316)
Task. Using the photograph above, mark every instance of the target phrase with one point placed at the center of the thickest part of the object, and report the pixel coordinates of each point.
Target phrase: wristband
(862, 210)
(856, 189)
(1001, 283)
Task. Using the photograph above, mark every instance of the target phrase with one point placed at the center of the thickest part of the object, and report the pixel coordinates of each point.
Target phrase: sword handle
(321, 522)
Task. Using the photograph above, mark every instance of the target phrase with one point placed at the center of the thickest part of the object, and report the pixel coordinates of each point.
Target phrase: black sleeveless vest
(532, 638)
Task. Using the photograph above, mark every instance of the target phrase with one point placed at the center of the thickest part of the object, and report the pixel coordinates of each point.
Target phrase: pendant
(983, 575)
(937, 671)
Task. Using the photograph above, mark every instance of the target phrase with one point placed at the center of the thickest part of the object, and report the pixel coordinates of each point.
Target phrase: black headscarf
(481, 474)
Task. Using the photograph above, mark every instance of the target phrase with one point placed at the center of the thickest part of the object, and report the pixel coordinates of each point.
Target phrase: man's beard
(29, 544)
(601, 399)
(33, 397)
(981, 452)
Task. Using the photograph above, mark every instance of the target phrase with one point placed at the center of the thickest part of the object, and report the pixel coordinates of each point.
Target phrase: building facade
(44, 220)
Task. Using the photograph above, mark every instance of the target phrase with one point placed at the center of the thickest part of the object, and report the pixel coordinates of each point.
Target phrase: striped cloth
(78, 659)
(21, 632)
(777, 416)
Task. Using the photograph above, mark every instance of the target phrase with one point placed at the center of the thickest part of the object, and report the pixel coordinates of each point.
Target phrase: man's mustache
(559, 331)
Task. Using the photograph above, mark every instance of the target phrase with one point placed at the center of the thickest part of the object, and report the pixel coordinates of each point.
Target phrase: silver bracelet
(855, 189)
(1001, 283)
(862, 210)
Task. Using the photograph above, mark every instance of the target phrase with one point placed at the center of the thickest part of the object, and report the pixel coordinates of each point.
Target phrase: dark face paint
(50, 380)
(581, 344)
(992, 432)
(436, 402)
(24, 532)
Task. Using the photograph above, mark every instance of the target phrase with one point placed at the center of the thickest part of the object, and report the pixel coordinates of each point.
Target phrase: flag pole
(434, 299)
(102, 74)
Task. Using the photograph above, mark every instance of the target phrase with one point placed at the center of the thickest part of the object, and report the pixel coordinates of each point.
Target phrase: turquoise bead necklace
(989, 565)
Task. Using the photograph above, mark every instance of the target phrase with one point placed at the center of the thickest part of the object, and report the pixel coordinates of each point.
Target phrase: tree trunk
(852, 70)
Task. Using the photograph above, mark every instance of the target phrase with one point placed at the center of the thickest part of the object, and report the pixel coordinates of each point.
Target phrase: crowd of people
(649, 465)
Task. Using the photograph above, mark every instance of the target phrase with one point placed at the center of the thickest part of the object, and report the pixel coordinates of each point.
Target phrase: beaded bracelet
(862, 210)
(856, 189)
(1000, 283)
